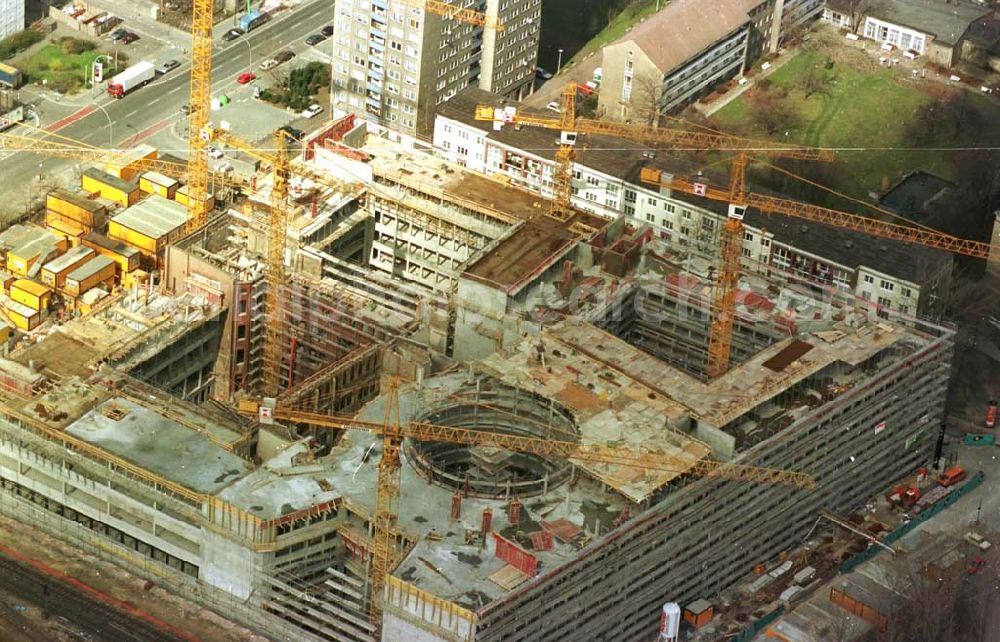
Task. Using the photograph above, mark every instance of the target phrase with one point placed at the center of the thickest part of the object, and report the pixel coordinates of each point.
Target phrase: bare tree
(858, 9)
(816, 80)
(645, 99)
(771, 111)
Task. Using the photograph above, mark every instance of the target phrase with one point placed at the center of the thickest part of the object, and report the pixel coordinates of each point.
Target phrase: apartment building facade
(11, 17)
(395, 63)
(882, 275)
(688, 49)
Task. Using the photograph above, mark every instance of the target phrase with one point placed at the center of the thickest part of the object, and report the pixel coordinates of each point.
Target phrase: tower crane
(724, 297)
(731, 242)
(393, 433)
(199, 103)
(277, 225)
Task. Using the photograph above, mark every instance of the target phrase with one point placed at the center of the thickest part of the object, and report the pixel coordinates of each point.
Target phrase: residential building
(395, 63)
(928, 28)
(11, 17)
(606, 182)
(689, 48)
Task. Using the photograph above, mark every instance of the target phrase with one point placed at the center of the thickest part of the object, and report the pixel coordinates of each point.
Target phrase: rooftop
(31, 287)
(159, 179)
(162, 445)
(90, 268)
(79, 199)
(155, 217)
(946, 21)
(685, 28)
(110, 179)
(69, 258)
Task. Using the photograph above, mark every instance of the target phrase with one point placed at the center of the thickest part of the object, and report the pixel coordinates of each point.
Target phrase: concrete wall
(479, 322)
(621, 99)
(706, 536)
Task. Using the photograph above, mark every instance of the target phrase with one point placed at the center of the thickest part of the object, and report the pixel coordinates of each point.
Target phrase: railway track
(96, 620)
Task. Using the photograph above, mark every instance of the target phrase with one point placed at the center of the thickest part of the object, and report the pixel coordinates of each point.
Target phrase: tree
(858, 9)
(645, 99)
(771, 111)
(816, 80)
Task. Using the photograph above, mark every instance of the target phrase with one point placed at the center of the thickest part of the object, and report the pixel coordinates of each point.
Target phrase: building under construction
(497, 318)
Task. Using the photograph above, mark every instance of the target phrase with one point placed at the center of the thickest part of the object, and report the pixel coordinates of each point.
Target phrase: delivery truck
(135, 76)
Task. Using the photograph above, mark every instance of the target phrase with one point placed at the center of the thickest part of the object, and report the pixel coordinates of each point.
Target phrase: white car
(214, 152)
(554, 106)
(311, 111)
(271, 63)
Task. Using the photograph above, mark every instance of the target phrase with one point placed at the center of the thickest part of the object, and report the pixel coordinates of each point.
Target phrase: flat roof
(159, 179)
(19, 308)
(531, 248)
(113, 245)
(78, 199)
(90, 268)
(155, 217)
(31, 287)
(74, 254)
(160, 444)
(946, 21)
(110, 179)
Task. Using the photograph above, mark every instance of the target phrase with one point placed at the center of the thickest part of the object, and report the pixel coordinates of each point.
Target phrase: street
(149, 113)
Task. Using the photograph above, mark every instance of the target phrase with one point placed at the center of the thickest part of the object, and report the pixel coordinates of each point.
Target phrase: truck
(252, 20)
(135, 76)
(10, 76)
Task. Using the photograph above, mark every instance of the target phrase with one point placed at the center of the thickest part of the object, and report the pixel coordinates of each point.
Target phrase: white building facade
(11, 17)
(690, 229)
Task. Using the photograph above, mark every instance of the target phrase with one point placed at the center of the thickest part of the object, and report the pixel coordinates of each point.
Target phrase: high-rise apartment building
(11, 17)
(394, 63)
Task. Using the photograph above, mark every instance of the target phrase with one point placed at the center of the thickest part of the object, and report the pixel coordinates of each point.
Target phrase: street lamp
(559, 63)
(243, 37)
(111, 126)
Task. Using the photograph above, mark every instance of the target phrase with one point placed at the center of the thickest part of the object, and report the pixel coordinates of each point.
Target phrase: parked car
(585, 90)
(185, 108)
(315, 39)
(270, 63)
(327, 31)
(541, 74)
(167, 66)
(311, 111)
(246, 78)
(232, 34)
(284, 56)
(292, 132)
(128, 38)
(214, 152)
(592, 85)
(554, 106)
(118, 34)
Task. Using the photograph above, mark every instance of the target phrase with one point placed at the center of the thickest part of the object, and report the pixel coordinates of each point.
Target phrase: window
(241, 332)
(686, 214)
(906, 292)
(869, 278)
(765, 242)
(650, 218)
(629, 210)
(748, 236)
(746, 252)
(592, 180)
(685, 230)
(670, 208)
(888, 286)
(630, 196)
(651, 201)
(668, 224)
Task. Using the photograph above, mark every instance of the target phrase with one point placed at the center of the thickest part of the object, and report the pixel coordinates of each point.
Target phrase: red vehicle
(585, 90)
(991, 414)
(952, 476)
(246, 78)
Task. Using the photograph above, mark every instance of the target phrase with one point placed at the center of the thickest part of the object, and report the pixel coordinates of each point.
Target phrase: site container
(10, 76)
(125, 257)
(121, 191)
(34, 295)
(129, 165)
(88, 212)
(23, 317)
(149, 226)
(99, 270)
(156, 183)
(54, 272)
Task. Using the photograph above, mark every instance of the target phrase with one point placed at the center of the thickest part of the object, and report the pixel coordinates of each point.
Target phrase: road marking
(131, 113)
(175, 89)
(72, 118)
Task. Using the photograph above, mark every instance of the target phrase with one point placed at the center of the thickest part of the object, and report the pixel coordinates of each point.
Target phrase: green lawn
(862, 112)
(64, 72)
(630, 15)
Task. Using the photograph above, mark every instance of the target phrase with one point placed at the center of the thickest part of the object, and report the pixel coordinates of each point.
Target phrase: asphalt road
(101, 622)
(156, 104)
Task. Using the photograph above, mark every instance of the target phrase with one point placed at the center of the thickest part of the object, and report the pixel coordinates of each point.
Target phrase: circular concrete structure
(492, 472)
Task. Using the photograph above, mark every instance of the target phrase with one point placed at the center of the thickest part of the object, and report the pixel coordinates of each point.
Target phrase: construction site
(370, 394)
